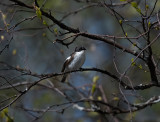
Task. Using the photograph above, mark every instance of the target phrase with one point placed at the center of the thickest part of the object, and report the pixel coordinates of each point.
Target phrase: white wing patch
(68, 58)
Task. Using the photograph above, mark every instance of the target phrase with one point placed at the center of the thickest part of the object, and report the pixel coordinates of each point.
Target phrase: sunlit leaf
(38, 12)
(120, 21)
(2, 37)
(140, 66)
(147, 7)
(134, 4)
(5, 110)
(116, 98)
(99, 98)
(95, 78)
(93, 114)
(157, 28)
(9, 119)
(138, 10)
(149, 24)
(134, 44)
(93, 88)
(4, 16)
(126, 34)
(14, 52)
(132, 61)
(56, 31)
(45, 23)
(3, 113)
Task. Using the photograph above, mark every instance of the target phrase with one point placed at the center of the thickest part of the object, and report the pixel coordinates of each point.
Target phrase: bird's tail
(64, 78)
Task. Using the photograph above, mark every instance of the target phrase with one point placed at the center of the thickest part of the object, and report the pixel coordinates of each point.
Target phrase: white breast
(78, 61)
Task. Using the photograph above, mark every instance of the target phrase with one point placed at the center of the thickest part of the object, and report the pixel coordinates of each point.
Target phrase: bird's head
(78, 49)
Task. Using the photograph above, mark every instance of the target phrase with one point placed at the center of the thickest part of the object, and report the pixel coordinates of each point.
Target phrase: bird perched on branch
(74, 61)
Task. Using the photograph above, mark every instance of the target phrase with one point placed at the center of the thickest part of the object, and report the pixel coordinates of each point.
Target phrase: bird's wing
(67, 61)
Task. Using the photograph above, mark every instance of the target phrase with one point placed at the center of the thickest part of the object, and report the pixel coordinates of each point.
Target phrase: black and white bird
(74, 61)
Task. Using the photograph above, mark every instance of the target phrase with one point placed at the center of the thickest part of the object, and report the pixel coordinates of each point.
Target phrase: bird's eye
(76, 49)
(83, 48)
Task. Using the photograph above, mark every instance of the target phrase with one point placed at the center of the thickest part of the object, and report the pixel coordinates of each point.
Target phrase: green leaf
(56, 31)
(99, 98)
(95, 78)
(93, 88)
(134, 4)
(133, 63)
(4, 114)
(140, 66)
(147, 7)
(149, 24)
(5, 111)
(45, 23)
(126, 34)
(132, 59)
(120, 21)
(14, 52)
(3, 16)
(38, 12)
(134, 44)
(123, 0)
(2, 37)
(116, 98)
(138, 10)
(9, 119)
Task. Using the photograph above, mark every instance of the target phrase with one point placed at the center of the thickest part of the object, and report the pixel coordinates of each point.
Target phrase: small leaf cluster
(5, 115)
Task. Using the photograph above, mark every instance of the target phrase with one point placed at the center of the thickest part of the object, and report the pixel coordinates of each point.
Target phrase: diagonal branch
(72, 30)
